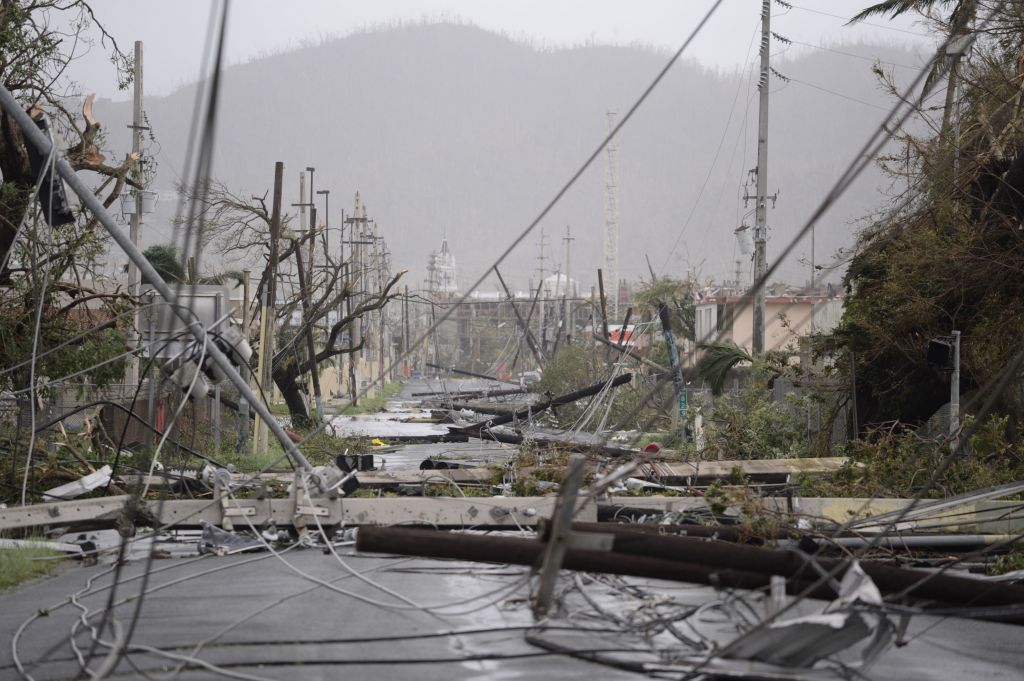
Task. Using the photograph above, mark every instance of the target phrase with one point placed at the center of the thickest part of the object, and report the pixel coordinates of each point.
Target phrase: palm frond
(716, 362)
(894, 8)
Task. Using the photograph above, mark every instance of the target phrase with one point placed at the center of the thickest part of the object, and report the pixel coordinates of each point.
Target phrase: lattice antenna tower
(611, 217)
(541, 258)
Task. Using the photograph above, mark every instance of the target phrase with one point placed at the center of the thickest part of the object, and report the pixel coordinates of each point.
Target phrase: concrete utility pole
(540, 287)
(567, 312)
(954, 392)
(132, 377)
(761, 226)
(269, 312)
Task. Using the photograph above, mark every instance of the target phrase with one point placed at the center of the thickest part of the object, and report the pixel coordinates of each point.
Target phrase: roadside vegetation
(22, 564)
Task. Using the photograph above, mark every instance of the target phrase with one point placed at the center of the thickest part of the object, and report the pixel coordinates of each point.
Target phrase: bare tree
(239, 228)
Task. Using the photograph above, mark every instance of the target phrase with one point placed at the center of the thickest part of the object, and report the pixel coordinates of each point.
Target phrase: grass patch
(368, 405)
(19, 565)
(279, 409)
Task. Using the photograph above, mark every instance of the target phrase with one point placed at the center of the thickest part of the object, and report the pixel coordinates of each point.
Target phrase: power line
(831, 92)
(558, 196)
(852, 55)
(714, 161)
(849, 20)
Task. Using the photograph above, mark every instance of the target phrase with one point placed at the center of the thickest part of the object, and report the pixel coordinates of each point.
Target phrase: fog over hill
(451, 130)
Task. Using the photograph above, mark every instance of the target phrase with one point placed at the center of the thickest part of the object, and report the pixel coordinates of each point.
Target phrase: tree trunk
(286, 378)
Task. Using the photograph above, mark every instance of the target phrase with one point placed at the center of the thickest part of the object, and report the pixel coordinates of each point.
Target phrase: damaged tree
(950, 254)
(240, 228)
(55, 267)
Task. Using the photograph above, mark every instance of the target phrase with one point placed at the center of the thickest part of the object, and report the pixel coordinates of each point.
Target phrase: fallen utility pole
(105, 512)
(793, 565)
(519, 320)
(690, 560)
(499, 549)
(543, 406)
(463, 372)
(632, 353)
(469, 394)
(34, 136)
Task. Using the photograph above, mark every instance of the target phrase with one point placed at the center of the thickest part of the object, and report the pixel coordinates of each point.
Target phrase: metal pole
(761, 228)
(132, 371)
(218, 310)
(243, 404)
(302, 204)
(151, 410)
(36, 137)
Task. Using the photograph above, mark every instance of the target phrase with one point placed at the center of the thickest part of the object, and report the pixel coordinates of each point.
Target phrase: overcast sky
(174, 32)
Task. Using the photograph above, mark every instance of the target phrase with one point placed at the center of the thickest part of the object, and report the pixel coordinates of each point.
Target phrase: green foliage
(89, 357)
(751, 425)
(576, 366)
(716, 362)
(951, 259)
(895, 462)
(37, 42)
(165, 260)
(19, 565)
(1008, 562)
(677, 295)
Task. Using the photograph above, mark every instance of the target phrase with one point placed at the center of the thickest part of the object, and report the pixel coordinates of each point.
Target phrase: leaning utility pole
(567, 312)
(269, 311)
(761, 207)
(540, 285)
(134, 282)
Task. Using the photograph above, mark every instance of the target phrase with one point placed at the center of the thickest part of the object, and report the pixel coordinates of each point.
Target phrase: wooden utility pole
(269, 308)
(134, 282)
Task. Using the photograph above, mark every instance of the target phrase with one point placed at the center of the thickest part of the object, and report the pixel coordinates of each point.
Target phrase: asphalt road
(254, 616)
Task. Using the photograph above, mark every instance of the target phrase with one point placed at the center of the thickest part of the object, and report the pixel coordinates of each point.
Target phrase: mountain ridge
(451, 129)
